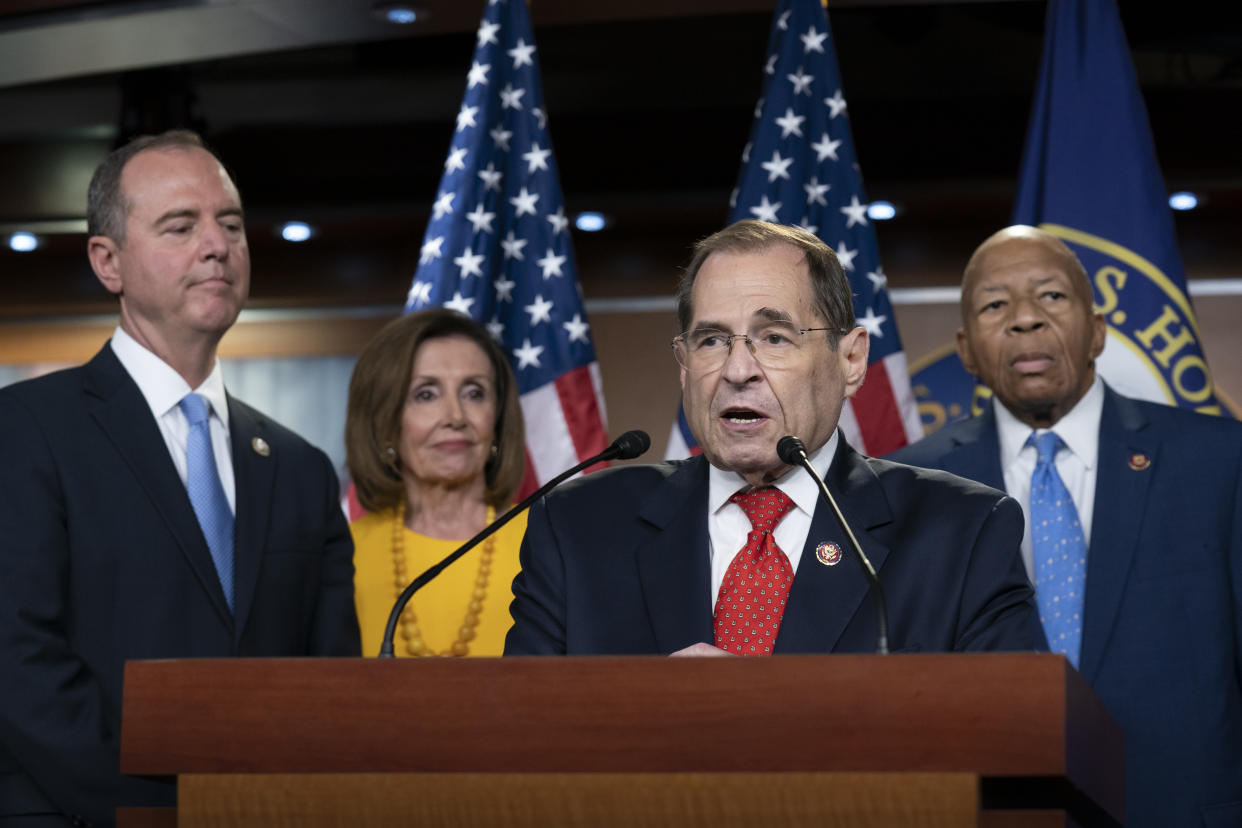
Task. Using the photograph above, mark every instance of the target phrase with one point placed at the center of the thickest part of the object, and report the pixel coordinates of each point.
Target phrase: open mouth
(742, 416)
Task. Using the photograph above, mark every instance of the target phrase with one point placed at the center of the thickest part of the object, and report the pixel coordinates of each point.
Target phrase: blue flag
(497, 247)
(1090, 177)
(800, 169)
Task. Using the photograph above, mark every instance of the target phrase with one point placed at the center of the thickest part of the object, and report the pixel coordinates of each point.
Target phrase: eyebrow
(764, 314)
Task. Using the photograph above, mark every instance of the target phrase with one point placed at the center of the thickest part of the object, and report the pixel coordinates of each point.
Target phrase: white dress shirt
(162, 388)
(1077, 463)
(728, 526)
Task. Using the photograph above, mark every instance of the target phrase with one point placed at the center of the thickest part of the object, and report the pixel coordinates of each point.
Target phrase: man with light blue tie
(144, 512)
(1134, 513)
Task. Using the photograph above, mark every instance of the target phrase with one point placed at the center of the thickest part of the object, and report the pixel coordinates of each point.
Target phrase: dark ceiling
(324, 113)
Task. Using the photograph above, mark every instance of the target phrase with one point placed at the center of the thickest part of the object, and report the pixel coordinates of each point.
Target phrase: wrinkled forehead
(1002, 263)
(753, 286)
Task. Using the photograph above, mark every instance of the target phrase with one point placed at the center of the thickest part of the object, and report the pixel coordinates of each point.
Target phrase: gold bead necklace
(414, 644)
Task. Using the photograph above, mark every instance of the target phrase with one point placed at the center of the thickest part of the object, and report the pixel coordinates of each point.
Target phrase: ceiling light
(400, 14)
(881, 211)
(1183, 201)
(23, 242)
(296, 231)
(591, 222)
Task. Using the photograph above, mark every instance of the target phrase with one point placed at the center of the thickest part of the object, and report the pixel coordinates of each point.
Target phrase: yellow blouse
(440, 606)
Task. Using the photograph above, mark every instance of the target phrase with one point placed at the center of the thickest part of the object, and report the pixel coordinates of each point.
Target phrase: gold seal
(260, 447)
(1139, 461)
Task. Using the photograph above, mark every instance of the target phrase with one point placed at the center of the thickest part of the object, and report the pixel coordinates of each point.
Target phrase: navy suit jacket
(1162, 631)
(102, 560)
(617, 563)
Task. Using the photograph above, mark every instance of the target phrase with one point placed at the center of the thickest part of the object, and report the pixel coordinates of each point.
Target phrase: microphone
(792, 452)
(626, 447)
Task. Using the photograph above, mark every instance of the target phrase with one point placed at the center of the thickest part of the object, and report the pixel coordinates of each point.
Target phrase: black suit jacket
(617, 562)
(1162, 625)
(102, 561)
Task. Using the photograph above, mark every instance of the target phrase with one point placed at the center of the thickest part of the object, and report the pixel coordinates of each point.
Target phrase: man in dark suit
(1158, 501)
(138, 523)
(732, 551)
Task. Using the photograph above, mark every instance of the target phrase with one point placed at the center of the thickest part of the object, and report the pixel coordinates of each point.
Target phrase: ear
(103, 253)
(965, 354)
(852, 350)
(683, 380)
(1099, 334)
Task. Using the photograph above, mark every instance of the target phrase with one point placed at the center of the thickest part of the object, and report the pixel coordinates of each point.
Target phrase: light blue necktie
(202, 480)
(1059, 549)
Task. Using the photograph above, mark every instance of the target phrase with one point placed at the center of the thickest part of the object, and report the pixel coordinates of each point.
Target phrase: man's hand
(701, 649)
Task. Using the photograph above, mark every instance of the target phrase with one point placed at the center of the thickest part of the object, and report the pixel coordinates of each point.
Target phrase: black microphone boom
(792, 452)
(626, 447)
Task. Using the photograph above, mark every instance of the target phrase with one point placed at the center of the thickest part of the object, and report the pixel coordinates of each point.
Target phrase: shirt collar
(796, 483)
(1079, 428)
(161, 386)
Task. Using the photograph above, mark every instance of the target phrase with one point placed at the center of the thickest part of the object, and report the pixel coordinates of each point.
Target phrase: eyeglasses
(773, 345)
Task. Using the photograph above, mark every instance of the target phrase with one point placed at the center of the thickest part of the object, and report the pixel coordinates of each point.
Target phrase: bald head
(1029, 330)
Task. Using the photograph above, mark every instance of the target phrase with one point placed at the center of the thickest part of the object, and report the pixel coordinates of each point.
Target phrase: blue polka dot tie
(757, 582)
(1059, 550)
(211, 507)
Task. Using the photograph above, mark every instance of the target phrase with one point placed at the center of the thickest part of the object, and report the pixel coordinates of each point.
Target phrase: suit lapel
(117, 405)
(976, 455)
(825, 598)
(673, 562)
(255, 475)
(1120, 491)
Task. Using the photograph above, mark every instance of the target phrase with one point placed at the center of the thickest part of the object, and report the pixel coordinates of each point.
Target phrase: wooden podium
(912, 740)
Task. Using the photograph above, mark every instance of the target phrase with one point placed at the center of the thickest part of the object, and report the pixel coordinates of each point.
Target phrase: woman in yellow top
(434, 443)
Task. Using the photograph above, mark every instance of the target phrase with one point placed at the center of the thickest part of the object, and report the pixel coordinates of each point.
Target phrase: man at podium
(733, 551)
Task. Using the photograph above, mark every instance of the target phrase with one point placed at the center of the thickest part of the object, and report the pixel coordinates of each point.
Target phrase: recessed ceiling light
(881, 210)
(1183, 201)
(23, 242)
(296, 231)
(591, 222)
(400, 14)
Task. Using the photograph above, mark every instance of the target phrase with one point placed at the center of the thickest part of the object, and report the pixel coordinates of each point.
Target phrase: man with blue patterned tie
(1142, 500)
(144, 512)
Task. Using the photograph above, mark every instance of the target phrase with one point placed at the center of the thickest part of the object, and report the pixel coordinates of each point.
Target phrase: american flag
(799, 169)
(497, 247)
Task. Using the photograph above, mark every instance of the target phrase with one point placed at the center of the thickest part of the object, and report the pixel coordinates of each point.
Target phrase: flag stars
(813, 41)
(504, 289)
(512, 247)
(491, 177)
(766, 210)
(836, 104)
(537, 158)
(855, 213)
(846, 256)
(801, 82)
(551, 264)
(540, 116)
(825, 148)
(470, 263)
(878, 279)
(465, 117)
(460, 303)
(443, 205)
(478, 74)
(790, 123)
(528, 354)
(783, 22)
(431, 250)
(558, 221)
(456, 159)
(496, 328)
(511, 98)
(577, 329)
(524, 202)
(778, 167)
(540, 310)
(487, 33)
(521, 54)
(500, 138)
(480, 219)
(815, 191)
(873, 323)
(770, 67)
(420, 294)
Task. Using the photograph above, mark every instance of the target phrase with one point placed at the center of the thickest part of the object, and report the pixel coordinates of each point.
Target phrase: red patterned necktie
(756, 584)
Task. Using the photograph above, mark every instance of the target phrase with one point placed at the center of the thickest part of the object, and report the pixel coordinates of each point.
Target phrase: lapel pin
(260, 447)
(1139, 461)
(829, 554)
